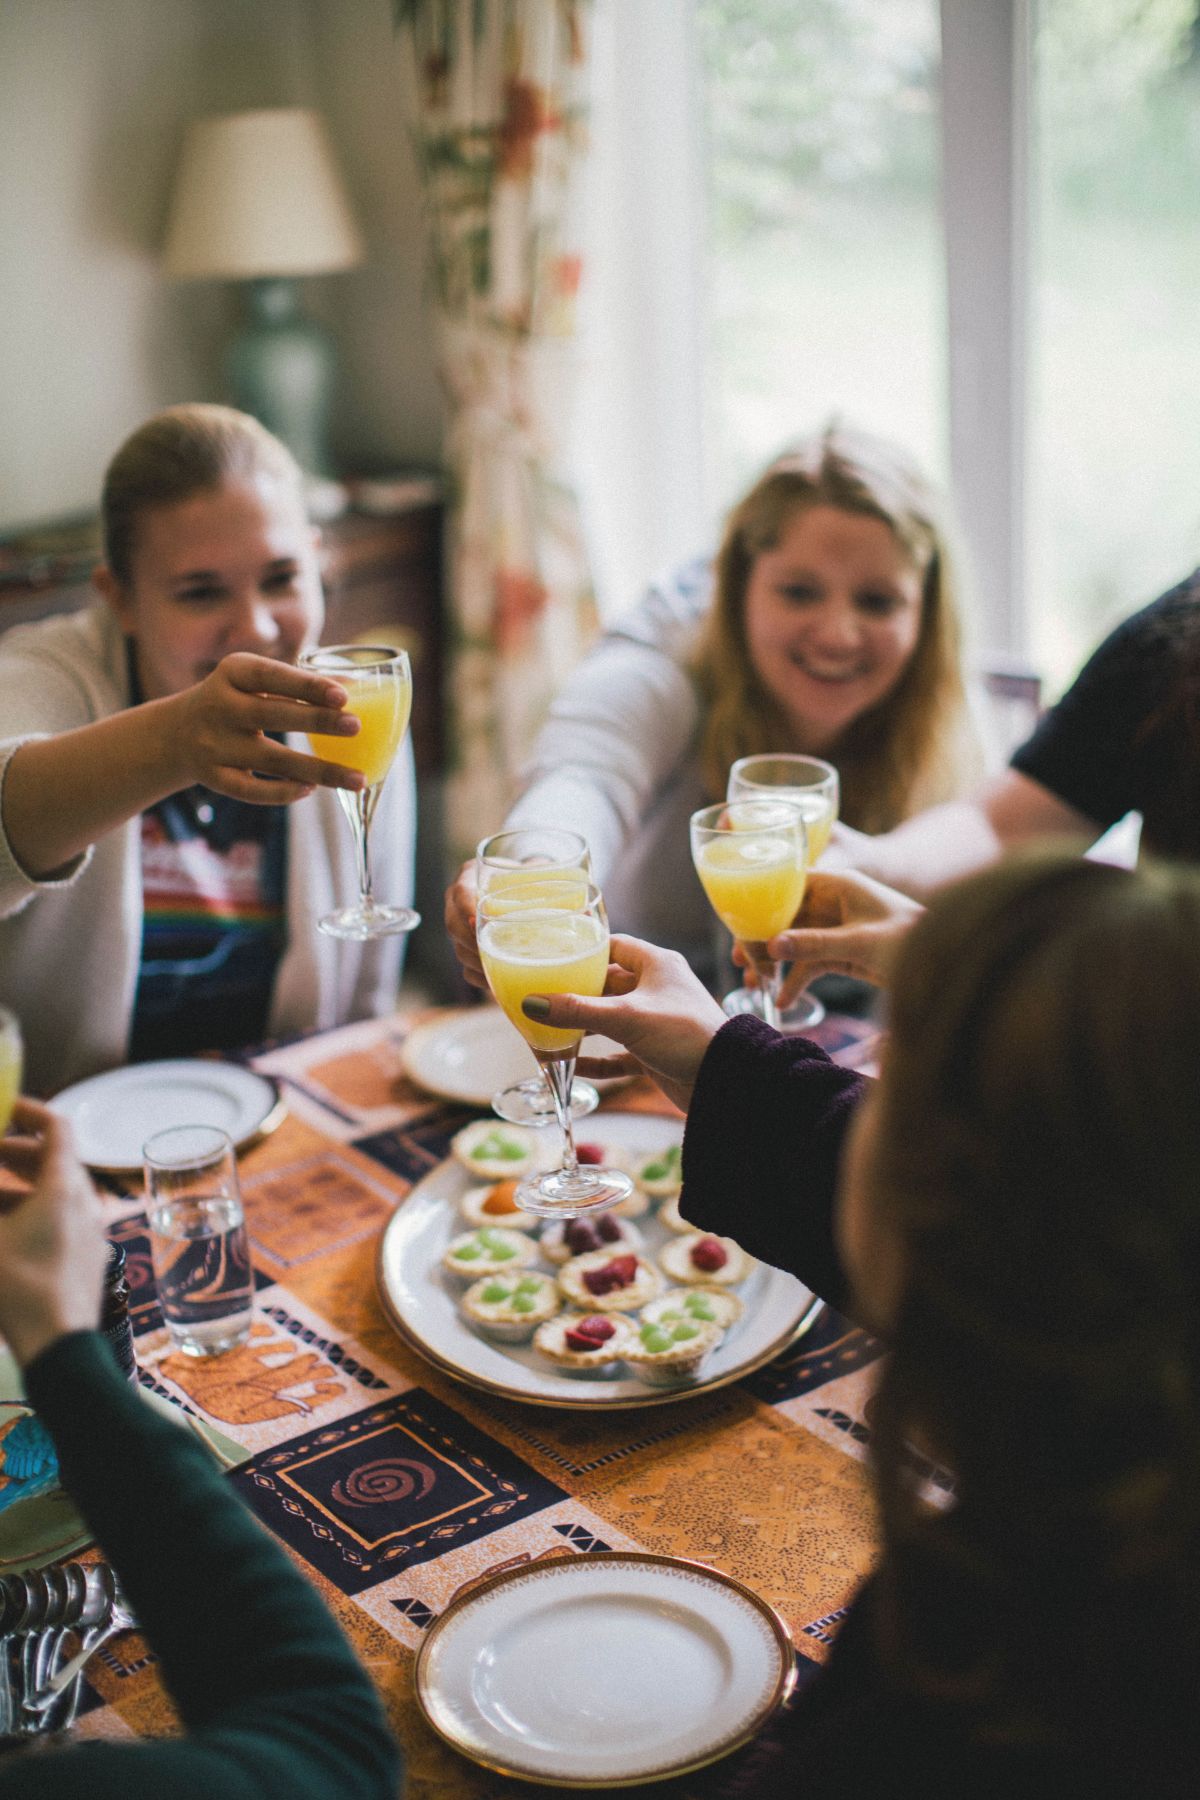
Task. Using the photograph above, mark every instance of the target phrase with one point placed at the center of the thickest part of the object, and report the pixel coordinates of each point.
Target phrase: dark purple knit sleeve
(762, 1146)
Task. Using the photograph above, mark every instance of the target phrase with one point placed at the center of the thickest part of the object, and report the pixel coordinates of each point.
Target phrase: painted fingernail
(535, 1006)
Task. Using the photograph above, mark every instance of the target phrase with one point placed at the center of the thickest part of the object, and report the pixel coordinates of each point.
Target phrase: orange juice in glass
(752, 860)
(378, 683)
(10, 1065)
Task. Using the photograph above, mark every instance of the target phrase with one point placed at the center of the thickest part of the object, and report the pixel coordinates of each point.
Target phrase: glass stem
(560, 1076)
(770, 975)
(361, 819)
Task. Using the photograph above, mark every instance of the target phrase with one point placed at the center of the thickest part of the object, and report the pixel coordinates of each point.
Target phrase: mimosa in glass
(519, 870)
(813, 785)
(752, 859)
(11, 1059)
(378, 683)
(551, 949)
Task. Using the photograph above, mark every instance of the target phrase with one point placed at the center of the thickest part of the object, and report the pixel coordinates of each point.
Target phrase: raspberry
(709, 1255)
(589, 1333)
(580, 1235)
(589, 1153)
(616, 1274)
(608, 1229)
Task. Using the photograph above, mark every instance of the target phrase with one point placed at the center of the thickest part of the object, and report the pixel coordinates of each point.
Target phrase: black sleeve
(273, 1698)
(762, 1146)
(1092, 748)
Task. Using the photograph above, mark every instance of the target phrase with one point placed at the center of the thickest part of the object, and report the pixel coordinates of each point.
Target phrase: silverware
(38, 1612)
(46, 1694)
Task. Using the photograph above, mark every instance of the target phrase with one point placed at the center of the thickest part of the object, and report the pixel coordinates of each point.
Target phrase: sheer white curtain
(638, 455)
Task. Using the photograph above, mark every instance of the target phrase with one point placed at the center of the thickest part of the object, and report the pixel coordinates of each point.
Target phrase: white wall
(94, 96)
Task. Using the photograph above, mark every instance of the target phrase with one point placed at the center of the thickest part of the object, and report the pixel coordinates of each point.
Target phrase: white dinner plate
(471, 1053)
(605, 1669)
(422, 1301)
(113, 1114)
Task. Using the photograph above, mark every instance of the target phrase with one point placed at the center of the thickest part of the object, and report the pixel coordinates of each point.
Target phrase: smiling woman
(158, 886)
(827, 623)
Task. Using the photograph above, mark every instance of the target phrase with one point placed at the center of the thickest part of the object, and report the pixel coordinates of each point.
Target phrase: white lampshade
(258, 194)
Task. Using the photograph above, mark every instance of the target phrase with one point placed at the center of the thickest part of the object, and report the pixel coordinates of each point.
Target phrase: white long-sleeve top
(70, 948)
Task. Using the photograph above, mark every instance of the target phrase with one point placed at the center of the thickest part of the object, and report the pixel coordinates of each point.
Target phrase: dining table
(393, 1481)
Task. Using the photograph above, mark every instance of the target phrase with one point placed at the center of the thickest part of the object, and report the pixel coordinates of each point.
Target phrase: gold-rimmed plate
(423, 1302)
(604, 1670)
(113, 1114)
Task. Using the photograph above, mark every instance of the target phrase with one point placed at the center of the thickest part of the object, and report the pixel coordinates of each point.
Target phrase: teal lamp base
(281, 369)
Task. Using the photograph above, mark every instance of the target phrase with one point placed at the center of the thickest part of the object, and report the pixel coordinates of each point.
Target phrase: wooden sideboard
(383, 576)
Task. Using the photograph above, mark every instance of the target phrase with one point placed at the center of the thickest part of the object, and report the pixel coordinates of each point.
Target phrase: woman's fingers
(606, 1068)
(252, 674)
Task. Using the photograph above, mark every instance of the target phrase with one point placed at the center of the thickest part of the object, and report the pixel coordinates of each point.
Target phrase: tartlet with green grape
(703, 1260)
(492, 1250)
(493, 1151)
(562, 1239)
(661, 1174)
(510, 1308)
(496, 1204)
(716, 1306)
(618, 1281)
(585, 1343)
(670, 1216)
(668, 1351)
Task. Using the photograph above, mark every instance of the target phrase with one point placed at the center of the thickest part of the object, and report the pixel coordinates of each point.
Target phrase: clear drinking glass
(813, 784)
(11, 1061)
(513, 864)
(198, 1241)
(752, 860)
(557, 947)
(378, 682)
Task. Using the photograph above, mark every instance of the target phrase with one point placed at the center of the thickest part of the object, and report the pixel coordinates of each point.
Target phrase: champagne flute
(559, 947)
(11, 1060)
(752, 860)
(514, 866)
(813, 785)
(378, 684)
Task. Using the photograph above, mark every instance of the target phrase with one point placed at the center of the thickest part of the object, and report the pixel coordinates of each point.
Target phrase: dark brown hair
(183, 451)
(905, 753)
(1039, 1152)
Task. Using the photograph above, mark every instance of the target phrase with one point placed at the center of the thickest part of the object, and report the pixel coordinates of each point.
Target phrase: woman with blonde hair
(165, 851)
(827, 624)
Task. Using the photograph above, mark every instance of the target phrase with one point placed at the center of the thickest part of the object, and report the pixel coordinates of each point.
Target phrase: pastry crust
(481, 1133)
(725, 1307)
(677, 1361)
(555, 1250)
(550, 1340)
(500, 1252)
(660, 1174)
(676, 1260)
(508, 1320)
(646, 1284)
(471, 1206)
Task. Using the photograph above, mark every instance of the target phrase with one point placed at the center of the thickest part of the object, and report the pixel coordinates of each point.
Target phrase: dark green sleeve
(273, 1700)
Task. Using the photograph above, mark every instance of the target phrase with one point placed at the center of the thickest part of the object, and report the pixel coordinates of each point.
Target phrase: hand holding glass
(752, 858)
(813, 785)
(378, 684)
(558, 947)
(198, 1241)
(512, 869)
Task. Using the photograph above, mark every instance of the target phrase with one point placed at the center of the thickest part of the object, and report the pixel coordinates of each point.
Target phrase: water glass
(198, 1238)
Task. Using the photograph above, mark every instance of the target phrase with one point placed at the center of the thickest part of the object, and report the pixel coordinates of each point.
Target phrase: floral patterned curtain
(501, 135)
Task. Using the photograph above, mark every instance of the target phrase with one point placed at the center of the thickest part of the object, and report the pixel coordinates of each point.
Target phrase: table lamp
(258, 199)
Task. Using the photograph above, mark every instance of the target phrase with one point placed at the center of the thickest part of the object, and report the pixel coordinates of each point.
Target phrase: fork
(46, 1694)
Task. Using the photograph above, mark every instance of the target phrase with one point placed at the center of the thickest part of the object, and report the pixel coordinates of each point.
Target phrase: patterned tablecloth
(763, 1479)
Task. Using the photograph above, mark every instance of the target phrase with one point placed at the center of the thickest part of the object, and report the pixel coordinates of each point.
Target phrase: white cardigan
(70, 949)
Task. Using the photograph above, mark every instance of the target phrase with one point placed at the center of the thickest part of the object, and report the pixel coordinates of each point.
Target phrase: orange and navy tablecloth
(392, 1484)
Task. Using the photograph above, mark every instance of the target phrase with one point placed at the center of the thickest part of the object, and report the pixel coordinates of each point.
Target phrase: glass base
(562, 1196)
(362, 922)
(213, 1337)
(805, 1011)
(531, 1103)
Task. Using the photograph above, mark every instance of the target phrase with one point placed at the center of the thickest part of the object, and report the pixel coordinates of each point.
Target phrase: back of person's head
(898, 756)
(183, 451)
(1039, 1151)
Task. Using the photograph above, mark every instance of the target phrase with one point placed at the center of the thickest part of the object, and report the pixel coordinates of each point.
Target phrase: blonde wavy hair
(913, 748)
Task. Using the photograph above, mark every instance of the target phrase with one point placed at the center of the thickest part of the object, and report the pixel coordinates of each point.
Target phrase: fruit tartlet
(619, 1282)
(496, 1205)
(565, 1238)
(490, 1251)
(715, 1306)
(495, 1152)
(670, 1216)
(660, 1175)
(667, 1352)
(703, 1260)
(583, 1343)
(509, 1308)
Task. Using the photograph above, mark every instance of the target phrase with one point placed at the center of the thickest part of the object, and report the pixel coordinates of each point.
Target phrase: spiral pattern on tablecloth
(387, 1479)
